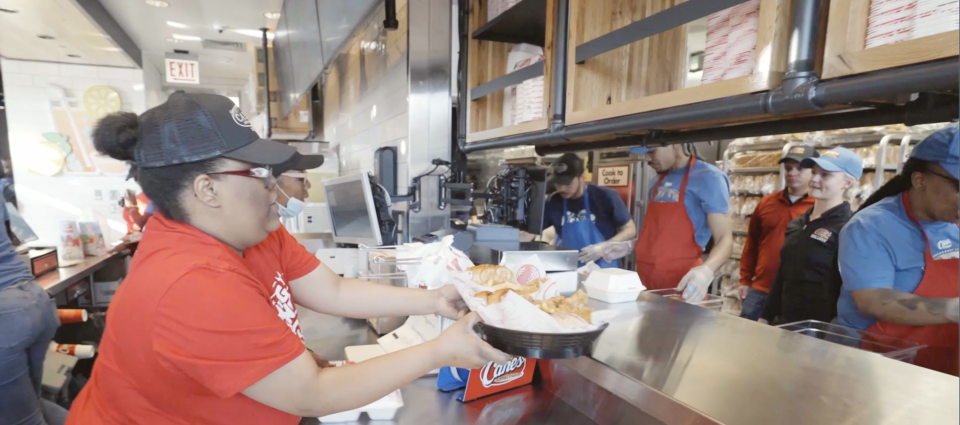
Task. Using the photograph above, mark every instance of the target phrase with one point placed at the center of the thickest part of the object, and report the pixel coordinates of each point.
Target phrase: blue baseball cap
(942, 147)
(837, 159)
(641, 150)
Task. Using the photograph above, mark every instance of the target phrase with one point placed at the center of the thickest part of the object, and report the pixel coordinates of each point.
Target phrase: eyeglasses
(956, 184)
(295, 175)
(263, 172)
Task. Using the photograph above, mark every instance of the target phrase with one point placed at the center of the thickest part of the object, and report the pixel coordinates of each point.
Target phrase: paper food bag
(92, 238)
(70, 248)
(428, 266)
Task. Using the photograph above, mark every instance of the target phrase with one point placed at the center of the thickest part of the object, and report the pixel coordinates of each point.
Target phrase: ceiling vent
(224, 45)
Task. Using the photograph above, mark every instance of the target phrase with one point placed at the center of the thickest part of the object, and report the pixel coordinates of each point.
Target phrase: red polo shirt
(768, 228)
(192, 325)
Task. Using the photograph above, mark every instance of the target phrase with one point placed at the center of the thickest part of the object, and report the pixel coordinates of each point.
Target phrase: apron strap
(913, 218)
(683, 186)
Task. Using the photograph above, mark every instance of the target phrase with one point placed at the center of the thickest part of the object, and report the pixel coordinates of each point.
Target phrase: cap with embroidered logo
(800, 153)
(837, 159)
(568, 167)
(195, 127)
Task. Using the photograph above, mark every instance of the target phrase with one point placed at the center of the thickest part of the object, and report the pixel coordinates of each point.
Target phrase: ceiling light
(174, 40)
(157, 3)
(177, 25)
(45, 37)
(8, 10)
(110, 49)
(187, 37)
(254, 33)
(271, 15)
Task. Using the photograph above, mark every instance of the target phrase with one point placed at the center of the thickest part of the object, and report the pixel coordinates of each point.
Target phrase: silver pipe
(560, 65)
(804, 37)
(928, 77)
(266, 85)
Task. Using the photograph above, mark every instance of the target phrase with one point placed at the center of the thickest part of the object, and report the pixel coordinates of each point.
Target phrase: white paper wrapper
(438, 259)
(514, 312)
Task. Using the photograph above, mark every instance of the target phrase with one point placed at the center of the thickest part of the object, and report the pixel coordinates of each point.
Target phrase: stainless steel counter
(685, 364)
(423, 402)
(662, 361)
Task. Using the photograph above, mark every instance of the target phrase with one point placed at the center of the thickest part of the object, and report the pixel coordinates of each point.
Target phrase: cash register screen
(19, 226)
(352, 212)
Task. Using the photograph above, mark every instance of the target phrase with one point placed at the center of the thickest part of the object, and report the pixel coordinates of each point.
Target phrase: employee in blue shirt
(688, 206)
(586, 217)
(28, 320)
(899, 256)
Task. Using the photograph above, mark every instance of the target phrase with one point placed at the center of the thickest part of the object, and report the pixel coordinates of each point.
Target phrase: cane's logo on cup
(493, 375)
(527, 273)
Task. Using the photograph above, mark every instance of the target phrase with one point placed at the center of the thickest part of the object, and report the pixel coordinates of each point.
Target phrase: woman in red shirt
(204, 329)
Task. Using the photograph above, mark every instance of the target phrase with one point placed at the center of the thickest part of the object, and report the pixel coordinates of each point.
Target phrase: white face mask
(294, 206)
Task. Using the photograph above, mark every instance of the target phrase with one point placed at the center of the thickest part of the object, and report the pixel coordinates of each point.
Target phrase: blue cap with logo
(639, 150)
(837, 159)
(942, 147)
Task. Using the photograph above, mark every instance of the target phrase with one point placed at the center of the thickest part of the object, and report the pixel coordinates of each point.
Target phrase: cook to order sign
(613, 176)
(182, 71)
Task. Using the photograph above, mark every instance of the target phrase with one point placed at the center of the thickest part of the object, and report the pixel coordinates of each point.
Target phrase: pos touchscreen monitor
(353, 214)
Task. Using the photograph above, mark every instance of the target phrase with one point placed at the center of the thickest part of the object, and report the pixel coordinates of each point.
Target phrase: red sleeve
(219, 328)
(748, 259)
(295, 260)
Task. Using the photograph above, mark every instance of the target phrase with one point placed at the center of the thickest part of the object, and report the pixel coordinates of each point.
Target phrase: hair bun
(116, 135)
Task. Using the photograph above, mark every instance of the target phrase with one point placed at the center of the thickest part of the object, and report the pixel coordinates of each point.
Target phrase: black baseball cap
(299, 162)
(567, 168)
(192, 127)
(800, 153)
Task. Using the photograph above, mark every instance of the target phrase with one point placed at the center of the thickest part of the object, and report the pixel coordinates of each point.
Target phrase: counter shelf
(886, 346)
(664, 362)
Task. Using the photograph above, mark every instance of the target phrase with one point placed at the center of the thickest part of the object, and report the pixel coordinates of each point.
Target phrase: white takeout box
(613, 285)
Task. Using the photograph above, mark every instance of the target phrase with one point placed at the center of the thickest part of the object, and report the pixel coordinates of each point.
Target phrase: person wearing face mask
(204, 329)
(767, 229)
(688, 205)
(803, 288)
(900, 253)
(294, 186)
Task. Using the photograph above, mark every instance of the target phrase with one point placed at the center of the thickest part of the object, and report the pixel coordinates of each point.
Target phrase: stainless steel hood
(309, 36)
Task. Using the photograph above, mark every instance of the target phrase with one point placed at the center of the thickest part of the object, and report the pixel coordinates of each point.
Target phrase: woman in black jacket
(804, 288)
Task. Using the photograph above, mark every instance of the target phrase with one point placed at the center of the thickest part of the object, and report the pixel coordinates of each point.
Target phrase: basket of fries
(527, 317)
(540, 345)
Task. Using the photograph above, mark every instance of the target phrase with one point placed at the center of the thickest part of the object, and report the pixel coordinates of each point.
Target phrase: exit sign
(613, 176)
(182, 71)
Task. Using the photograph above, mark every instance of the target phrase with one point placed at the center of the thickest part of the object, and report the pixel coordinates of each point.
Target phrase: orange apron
(667, 247)
(939, 281)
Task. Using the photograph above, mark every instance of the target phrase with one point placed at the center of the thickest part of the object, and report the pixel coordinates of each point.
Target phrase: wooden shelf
(525, 22)
(845, 52)
(650, 74)
(487, 57)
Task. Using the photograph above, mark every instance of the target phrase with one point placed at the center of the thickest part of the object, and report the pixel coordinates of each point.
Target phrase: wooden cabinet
(846, 53)
(487, 60)
(649, 74)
